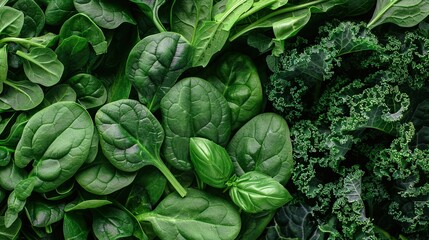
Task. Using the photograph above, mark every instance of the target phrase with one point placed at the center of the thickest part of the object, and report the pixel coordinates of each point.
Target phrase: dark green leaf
(22, 95)
(199, 215)
(82, 26)
(43, 214)
(75, 226)
(59, 93)
(42, 66)
(11, 232)
(11, 21)
(263, 144)
(154, 65)
(404, 13)
(82, 204)
(74, 53)
(140, 134)
(90, 91)
(15, 131)
(150, 8)
(106, 14)
(11, 175)
(193, 108)
(112, 223)
(58, 11)
(34, 18)
(60, 134)
(3, 66)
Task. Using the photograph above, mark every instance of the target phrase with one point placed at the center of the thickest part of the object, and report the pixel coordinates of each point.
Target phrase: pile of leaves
(213, 119)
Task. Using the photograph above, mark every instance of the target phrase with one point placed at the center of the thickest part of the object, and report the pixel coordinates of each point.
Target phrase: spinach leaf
(187, 15)
(75, 226)
(106, 14)
(82, 26)
(59, 93)
(253, 225)
(22, 95)
(42, 66)
(140, 137)
(211, 36)
(11, 232)
(112, 223)
(90, 91)
(58, 11)
(11, 175)
(155, 63)
(58, 138)
(199, 215)
(150, 8)
(193, 108)
(74, 52)
(44, 213)
(11, 21)
(16, 130)
(237, 78)
(102, 178)
(34, 18)
(263, 144)
(404, 13)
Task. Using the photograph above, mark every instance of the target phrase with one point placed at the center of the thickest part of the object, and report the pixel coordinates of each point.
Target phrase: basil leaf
(263, 144)
(154, 65)
(199, 215)
(193, 108)
(140, 137)
(255, 192)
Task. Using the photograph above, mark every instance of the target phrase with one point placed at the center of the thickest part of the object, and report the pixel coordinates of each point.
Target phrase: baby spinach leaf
(255, 192)
(58, 11)
(187, 15)
(34, 18)
(11, 175)
(16, 130)
(237, 78)
(58, 138)
(404, 13)
(75, 226)
(102, 178)
(90, 91)
(263, 144)
(131, 138)
(82, 204)
(253, 225)
(211, 36)
(193, 108)
(22, 95)
(199, 215)
(74, 53)
(44, 213)
(82, 26)
(11, 21)
(42, 66)
(59, 93)
(155, 63)
(106, 14)
(150, 8)
(11, 232)
(112, 223)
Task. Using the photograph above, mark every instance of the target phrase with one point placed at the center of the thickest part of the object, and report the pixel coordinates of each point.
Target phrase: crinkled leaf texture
(193, 108)
(58, 139)
(199, 215)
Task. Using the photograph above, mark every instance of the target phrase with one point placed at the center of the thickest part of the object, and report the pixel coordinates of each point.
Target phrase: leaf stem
(256, 9)
(170, 177)
(21, 41)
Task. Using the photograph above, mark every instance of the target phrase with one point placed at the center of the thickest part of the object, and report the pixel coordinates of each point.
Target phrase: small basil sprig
(211, 162)
(256, 192)
(253, 192)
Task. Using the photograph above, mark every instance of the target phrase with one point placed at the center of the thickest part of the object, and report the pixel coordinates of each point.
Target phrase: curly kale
(358, 106)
